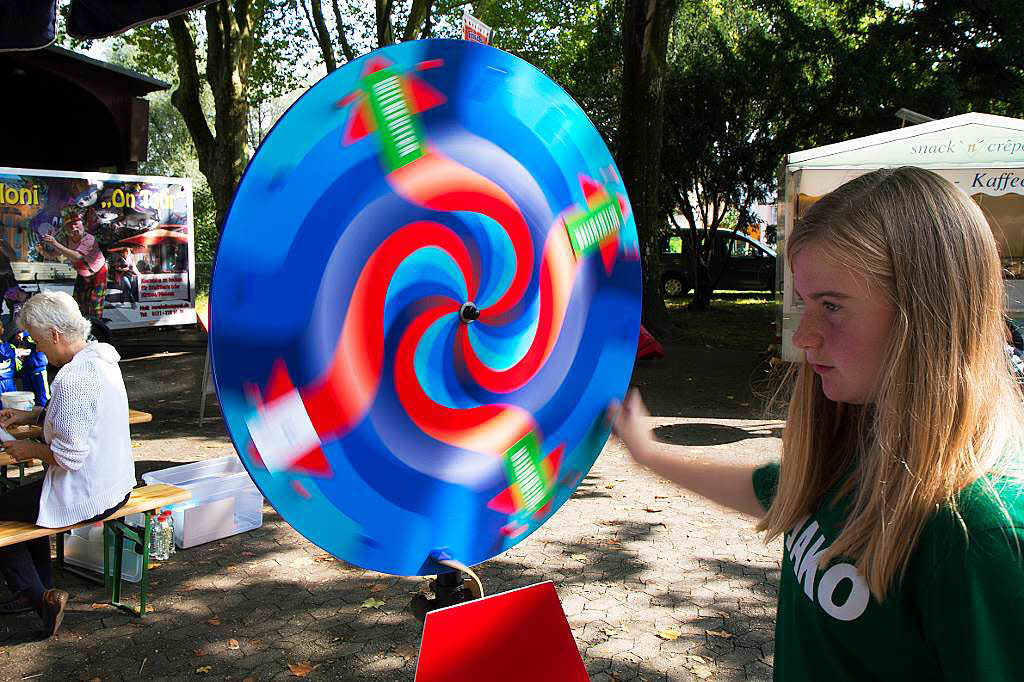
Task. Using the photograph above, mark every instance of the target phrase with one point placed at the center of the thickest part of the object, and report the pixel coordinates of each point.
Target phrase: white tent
(980, 153)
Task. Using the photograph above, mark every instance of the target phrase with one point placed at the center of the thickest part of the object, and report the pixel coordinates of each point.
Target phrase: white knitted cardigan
(86, 426)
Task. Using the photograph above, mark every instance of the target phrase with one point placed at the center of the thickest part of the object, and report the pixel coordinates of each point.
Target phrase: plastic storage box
(83, 547)
(224, 501)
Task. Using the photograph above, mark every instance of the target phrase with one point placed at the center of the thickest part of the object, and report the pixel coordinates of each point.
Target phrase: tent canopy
(967, 140)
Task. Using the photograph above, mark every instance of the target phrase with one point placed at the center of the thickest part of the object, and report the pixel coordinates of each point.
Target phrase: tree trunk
(645, 31)
(223, 152)
(385, 32)
(323, 36)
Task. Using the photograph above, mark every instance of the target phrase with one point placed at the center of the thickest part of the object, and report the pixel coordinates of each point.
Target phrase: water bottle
(159, 541)
(170, 533)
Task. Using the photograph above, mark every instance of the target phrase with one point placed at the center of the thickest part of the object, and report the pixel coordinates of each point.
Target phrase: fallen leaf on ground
(152, 564)
(652, 510)
(719, 633)
(579, 557)
(610, 486)
(233, 644)
(661, 497)
(204, 669)
(99, 606)
(323, 557)
(699, 659)
(301, 669)
(378, 587)
(669, 634)
(372, 603)
(214, 621)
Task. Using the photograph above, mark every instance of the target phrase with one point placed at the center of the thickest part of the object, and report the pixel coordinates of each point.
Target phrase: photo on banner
(142, 227)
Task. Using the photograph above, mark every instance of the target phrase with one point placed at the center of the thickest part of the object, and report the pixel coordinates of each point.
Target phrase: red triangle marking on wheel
(360, 124)
(313, 463)
(543, 511)
(623, 207)
(609, 252)
(423, 96)
(280, 382)
(254, 457)
(503, 502)
(553, 461)
(590, 187)
(375, 64)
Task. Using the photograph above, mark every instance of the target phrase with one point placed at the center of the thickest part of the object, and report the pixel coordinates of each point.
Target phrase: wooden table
(19, 432)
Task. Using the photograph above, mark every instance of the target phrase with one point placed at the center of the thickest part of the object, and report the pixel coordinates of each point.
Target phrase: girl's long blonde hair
(946, 409)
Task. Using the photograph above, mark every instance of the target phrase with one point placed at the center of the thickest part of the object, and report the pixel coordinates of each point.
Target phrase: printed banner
(475, 30)
(121, 244)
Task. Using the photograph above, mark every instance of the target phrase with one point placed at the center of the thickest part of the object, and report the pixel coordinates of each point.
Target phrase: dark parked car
(738, 263)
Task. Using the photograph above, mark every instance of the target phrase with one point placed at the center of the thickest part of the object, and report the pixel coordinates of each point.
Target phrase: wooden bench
(144, 500)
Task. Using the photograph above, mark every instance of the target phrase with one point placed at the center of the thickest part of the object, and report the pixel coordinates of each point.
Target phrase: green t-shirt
(957, 615)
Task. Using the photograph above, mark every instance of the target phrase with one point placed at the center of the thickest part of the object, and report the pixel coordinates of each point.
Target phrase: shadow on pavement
(713, 434)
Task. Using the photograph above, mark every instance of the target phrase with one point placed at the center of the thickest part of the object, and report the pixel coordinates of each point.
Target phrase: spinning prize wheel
(426, 293)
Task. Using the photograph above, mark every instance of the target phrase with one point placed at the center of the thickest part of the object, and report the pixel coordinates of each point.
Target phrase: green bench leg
(115, 532)
(142, 540)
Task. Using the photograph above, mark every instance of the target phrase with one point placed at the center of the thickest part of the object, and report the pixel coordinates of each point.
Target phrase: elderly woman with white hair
(87, 450)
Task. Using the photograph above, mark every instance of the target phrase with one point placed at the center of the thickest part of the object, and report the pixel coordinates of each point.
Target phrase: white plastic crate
(224, 501)
(83, 547)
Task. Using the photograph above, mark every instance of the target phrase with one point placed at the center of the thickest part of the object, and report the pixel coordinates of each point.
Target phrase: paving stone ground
(629, 554)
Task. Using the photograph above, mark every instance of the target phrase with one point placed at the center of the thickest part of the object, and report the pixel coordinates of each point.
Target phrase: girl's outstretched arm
(730, 485)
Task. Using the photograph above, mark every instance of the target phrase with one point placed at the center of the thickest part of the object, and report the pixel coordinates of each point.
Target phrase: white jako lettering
(855, 603)
(797, 553)
(808, 567)
(796, 529)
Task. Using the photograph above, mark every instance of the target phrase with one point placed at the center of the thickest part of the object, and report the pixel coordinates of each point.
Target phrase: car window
(744, 249)
(672, 245)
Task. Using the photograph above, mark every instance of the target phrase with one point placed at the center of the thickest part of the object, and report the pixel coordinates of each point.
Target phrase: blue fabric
(100, 18)
(27, 24)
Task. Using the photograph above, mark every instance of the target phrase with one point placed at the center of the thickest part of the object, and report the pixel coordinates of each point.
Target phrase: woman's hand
(628, 423)
(11, 417)
(23, 450)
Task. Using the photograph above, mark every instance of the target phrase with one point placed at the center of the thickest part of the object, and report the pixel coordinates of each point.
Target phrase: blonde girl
(898, 492)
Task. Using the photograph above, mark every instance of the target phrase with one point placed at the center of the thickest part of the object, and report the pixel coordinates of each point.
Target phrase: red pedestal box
(510, 637)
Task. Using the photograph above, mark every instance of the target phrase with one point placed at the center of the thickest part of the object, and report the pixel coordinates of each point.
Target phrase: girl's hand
(628, 423)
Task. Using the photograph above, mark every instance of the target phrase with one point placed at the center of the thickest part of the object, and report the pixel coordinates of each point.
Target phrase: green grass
(738, 320)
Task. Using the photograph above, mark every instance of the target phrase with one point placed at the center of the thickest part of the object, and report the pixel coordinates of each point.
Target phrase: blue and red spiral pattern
(426, 293)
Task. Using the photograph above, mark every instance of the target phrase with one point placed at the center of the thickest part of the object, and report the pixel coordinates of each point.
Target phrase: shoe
(52, 611)
(15, 605)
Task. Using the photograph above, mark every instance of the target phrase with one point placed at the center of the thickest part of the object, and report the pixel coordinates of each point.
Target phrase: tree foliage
(737, 89)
